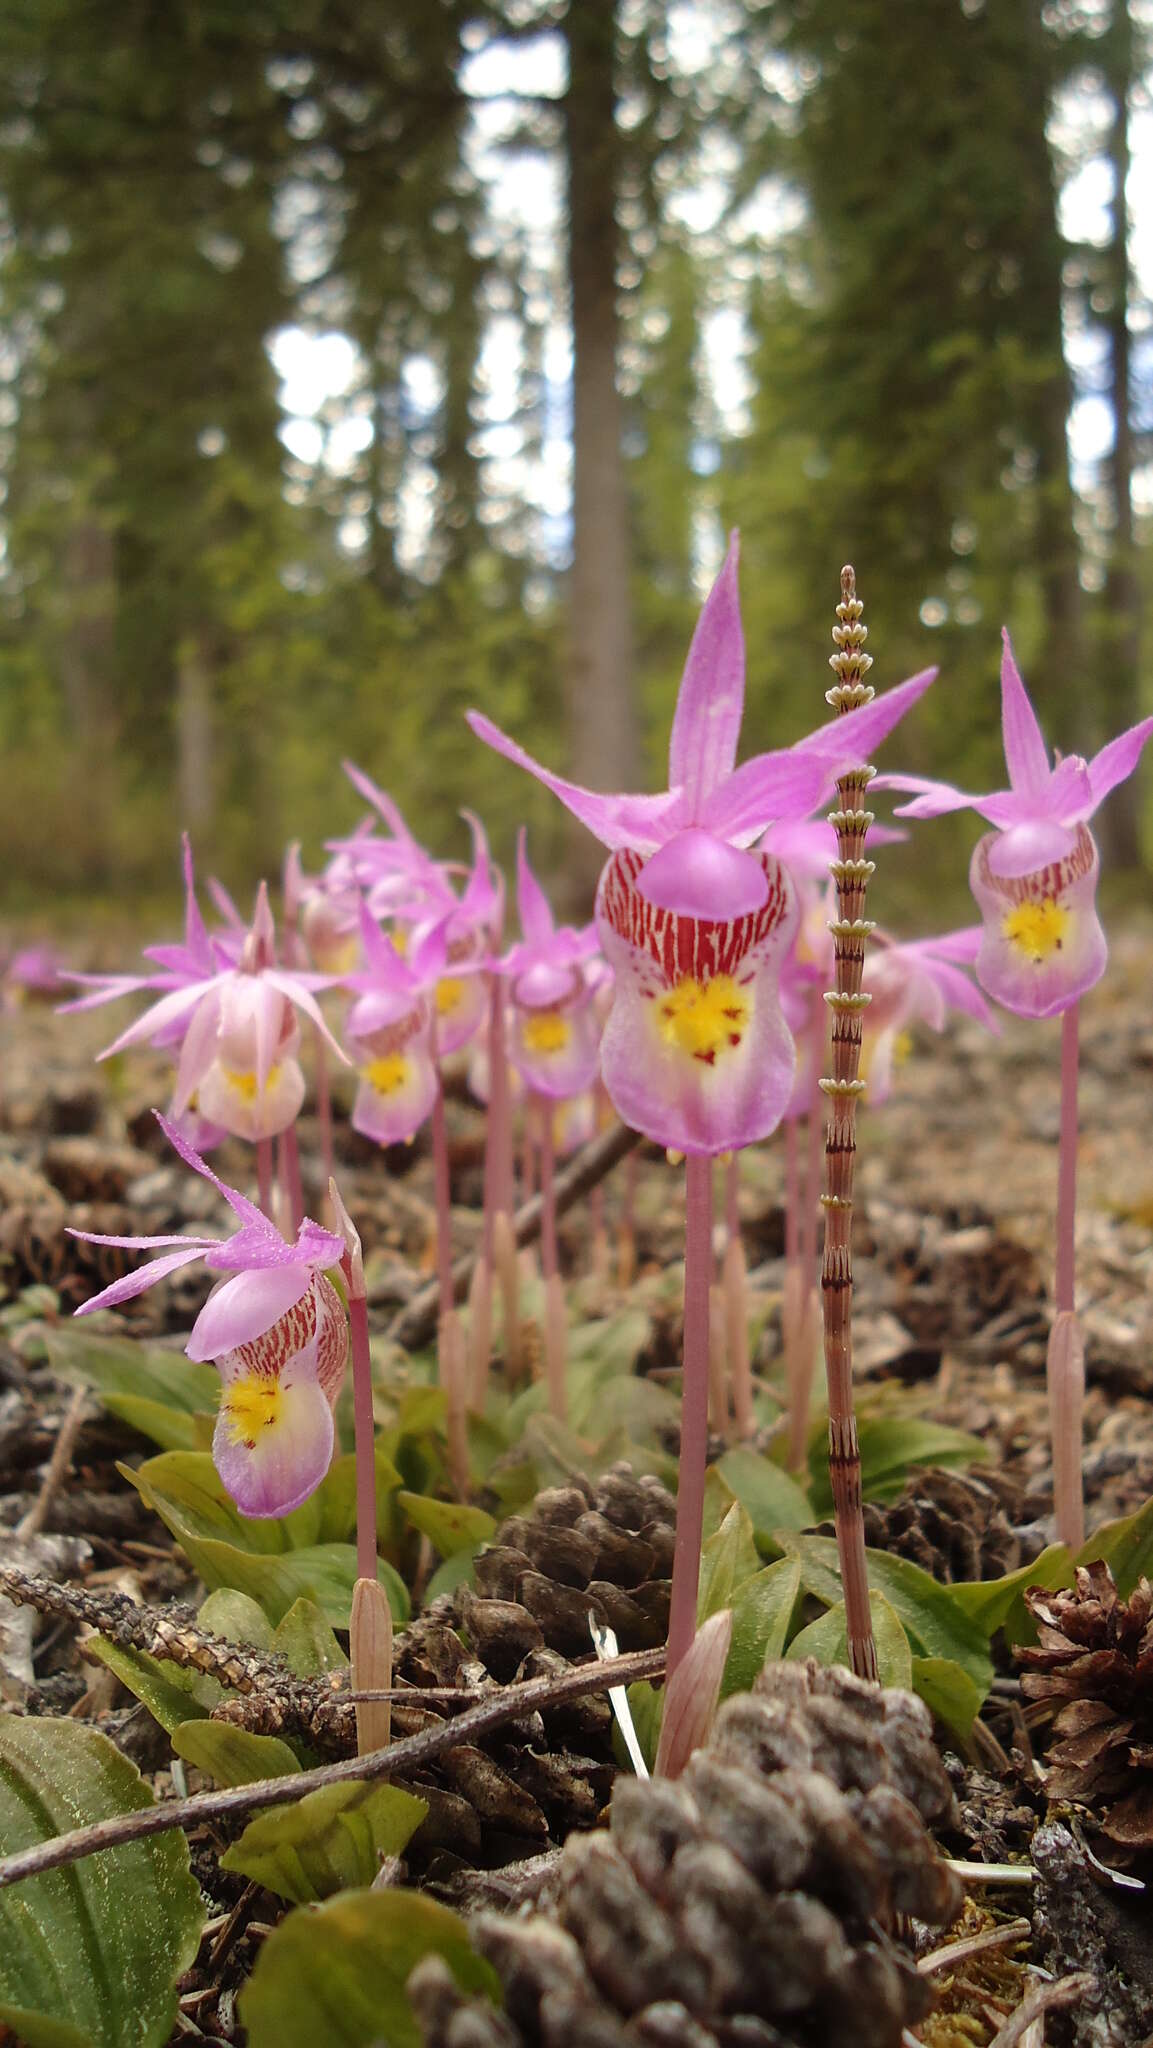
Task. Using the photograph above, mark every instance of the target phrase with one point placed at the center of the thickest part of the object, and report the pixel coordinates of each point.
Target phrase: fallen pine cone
(1092, 1668)
(950, 1523)
(751, 1901)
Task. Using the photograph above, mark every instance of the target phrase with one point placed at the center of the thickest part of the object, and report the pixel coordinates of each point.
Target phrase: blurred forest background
(362, 360)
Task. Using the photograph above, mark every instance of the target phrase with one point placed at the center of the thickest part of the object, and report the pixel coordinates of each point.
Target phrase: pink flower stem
(694, 1407)
(323, 1102)
(548, 1251)
(732, 1190)
(443, 1189)
(264, 1181)
(792, 1191)
(1067, 1161)
(364, 1429)
(290, 1176)
(1065, 1357)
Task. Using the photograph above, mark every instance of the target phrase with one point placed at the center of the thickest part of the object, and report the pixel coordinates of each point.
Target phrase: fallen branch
(413, 1754)
(1046, 1998)
(416, 1324)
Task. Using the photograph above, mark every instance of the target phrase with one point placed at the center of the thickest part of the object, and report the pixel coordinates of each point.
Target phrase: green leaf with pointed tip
(770, 1496)
(449, 1525)
(125, 1365)
(332, 1840)
(306, 1642)
(452, 1574)
(727, 1559)
(890, 1446)
(936, 1624)
(237, 1618)
(998, 1603)
(90, 1954)
(647, 1706)
(259, 1558)
(171, 1694)
(762, 1608)
(825, 1639)
(233, 1756)
(1126, 1546)
(337, 1973)
(948, 1692)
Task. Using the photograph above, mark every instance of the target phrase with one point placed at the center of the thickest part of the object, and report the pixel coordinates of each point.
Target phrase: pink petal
(461, 1007)
(555, 1050)
(295, 988)
(727, 1084)
(244, 1307)
(132, 1284)
(197, 1051)
(847, 741)
(532, 905)
(390, 1115)
(247, 1211)
(161, 1014)
(1022, 848)
(318, 1247)
(1026, 755)
(273, 1471)
(380, 801)
(711, 700)
(782, 784)
(1116, 762)
(225, 905)
(482, 901)
(640, 821)
(962, 994)
(697, 875)
(1069, 796)
(1039, 970)
(264, 1111)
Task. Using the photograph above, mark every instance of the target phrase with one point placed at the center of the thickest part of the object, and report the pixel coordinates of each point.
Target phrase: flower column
(847, 1001)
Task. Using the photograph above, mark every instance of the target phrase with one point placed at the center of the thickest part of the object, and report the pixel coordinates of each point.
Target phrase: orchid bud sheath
(364, 1428)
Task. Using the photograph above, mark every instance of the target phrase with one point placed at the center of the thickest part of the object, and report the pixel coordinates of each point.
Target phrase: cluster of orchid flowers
(692, 1004)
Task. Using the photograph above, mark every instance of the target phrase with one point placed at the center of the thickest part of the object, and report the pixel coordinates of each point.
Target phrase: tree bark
(194, 735)
(1120, 823)
(602, 713)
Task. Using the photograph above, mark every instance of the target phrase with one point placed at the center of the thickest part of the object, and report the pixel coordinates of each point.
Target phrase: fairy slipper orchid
(911, 982)
(555, 1035)
(696, 1053)
(398, 1026)
(1035, 875)
(277, 1333)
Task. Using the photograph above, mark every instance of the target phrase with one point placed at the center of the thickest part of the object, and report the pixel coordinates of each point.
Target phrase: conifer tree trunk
(599, 690)
(1122, 638)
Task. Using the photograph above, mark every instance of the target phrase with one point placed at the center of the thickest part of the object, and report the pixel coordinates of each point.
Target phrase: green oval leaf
(337, 1973)
(762, 1609)
(89, 1954)
(237, 1618)
(727, 1559)
(233, 1756)
(449, 1525)
(306, 1642)
(171, 1694)
(826, 1640)
(771, 1498)
(329, 1841)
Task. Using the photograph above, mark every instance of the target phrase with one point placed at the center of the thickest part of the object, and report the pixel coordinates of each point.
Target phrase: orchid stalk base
(694, 1407)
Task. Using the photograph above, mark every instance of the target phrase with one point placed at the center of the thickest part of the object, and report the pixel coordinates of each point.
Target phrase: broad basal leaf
(827, 1641)
(770, 1497)
(89, 1954)
(331, 1840)
(727, 1558)
(155, 1390)
(171, 1693)
(335, 1974)
(761, 1608)
(449, 1525)
(233, 1756)
(935, 1623)
(890, 1446)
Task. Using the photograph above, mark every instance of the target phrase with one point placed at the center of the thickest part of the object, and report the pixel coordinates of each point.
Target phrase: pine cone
(748, 1903)
(950, 1523)
(604, 1548)
(1093, 1667)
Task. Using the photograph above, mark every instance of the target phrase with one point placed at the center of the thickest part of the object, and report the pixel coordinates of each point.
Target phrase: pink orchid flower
(696, 1053)
(277, 1333)
(555, 1036)
(395, 1028)
(1035, 876)
(236, 1027)
(916, 981)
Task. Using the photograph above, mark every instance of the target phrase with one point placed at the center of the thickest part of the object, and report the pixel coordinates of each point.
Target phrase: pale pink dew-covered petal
(244, 1307)
(270, 1464)
(782, 784)
(696, 874)
(132, 1284)
(696, 1053)
(169, 1010)
(1026, 755)
(198, 1049)
(1043, 944)
(711, 699)
(847, 740)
